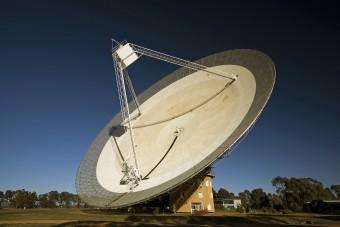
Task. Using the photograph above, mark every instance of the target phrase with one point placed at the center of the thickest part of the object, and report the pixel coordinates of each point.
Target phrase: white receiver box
(127, 55)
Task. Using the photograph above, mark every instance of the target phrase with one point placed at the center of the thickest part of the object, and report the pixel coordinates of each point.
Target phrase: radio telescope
(176, 128)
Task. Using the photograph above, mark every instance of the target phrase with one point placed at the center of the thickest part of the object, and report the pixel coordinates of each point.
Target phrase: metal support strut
(123, 55)
(130, 164)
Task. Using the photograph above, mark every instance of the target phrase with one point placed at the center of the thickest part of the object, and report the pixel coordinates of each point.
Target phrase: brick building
(194, 196)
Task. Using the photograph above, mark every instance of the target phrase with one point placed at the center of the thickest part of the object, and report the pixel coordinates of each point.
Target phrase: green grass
(91, 217)
(47, 213)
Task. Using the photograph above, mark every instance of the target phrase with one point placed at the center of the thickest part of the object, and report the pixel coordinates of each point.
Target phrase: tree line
(26, 199)
(291, 194)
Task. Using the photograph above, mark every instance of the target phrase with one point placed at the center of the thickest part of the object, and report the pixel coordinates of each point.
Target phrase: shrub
(156, 211)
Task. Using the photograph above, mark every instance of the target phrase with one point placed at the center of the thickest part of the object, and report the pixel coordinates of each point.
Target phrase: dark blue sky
(57, 87)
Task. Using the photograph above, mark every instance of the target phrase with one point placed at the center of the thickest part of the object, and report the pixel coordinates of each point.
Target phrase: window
(207, 183)
(195, 207)
(209, 207)
(200, 195)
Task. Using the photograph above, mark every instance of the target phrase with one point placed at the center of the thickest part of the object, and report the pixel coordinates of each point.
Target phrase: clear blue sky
(57, 87)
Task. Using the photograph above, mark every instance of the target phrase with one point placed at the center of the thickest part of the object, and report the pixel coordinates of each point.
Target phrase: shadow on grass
(185, 221)
(330, 217)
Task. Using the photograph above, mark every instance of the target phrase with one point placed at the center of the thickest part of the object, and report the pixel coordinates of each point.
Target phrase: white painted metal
(126, 55)
(196, 116)
(201, 128)
(123, 56)
(181, 62)
(130, 170)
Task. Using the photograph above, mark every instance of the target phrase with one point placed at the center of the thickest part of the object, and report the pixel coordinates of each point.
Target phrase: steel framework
(123, 55)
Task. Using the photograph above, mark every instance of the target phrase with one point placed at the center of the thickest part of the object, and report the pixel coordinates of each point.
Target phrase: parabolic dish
(211, 113)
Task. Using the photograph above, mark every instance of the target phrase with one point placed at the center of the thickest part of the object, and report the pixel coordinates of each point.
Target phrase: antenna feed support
(178, 131)
(235, 77)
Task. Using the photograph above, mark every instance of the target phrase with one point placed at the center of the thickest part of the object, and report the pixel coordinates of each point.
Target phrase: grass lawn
(90, 217)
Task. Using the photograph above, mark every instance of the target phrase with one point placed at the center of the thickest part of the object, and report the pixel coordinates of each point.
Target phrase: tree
(9, 195)
(76, 199)
(297, 191)
(224, 194)
(214, 193)
(327, 194)
(2, 196)
(336, 190)
(277, 202)
(245, 197)
(45, 202)
(280, 184)
(53, 196)
(33, 198)
(65, 198)
(43, 198)
(24, 199)
(259, 199)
